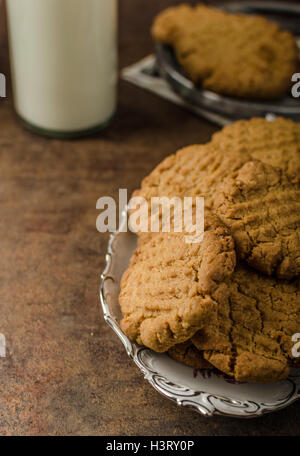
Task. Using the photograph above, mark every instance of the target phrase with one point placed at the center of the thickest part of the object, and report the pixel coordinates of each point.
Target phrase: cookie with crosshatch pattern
(261, 206)
(171, 287)
(275, 142)
(250, 338)
(200, 169)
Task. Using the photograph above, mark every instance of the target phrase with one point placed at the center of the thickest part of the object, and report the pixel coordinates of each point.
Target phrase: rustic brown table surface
(66, 373)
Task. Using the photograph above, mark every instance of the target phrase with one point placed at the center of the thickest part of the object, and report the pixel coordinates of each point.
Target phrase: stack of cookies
(232, 301)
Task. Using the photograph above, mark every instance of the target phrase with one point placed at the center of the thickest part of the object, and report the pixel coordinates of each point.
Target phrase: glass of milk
(63, 57)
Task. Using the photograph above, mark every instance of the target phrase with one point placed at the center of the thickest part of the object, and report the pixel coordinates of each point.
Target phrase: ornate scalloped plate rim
(204, 402)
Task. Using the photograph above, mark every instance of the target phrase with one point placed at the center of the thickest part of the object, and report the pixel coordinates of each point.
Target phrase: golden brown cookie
(232, 54)
(261, 206)
(170, 289)
(186, 353)
(251, 337)
(276, 143)
(198, 170)
(193, 171)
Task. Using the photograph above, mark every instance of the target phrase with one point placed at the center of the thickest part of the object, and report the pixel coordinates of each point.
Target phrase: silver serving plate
(228, 106)
(209, 393)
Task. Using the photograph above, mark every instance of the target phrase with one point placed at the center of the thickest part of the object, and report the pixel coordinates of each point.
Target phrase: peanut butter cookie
(186, 353)
(251, 337)
(238, 55)
(261, 206)
(198, 170)
(193, 171)
(276, 143)
(171, 287)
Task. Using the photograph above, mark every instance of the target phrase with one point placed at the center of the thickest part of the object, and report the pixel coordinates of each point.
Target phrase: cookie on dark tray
(238, 55)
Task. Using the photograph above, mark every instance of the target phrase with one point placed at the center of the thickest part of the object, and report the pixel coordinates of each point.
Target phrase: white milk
(63, 61)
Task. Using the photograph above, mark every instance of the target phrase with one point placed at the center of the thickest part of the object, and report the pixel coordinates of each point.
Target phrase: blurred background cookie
(238, 55)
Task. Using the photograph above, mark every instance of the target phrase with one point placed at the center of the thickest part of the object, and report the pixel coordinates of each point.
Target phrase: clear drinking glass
(63, 56)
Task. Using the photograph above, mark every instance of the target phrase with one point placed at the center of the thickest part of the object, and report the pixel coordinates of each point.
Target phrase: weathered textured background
(66, 372)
